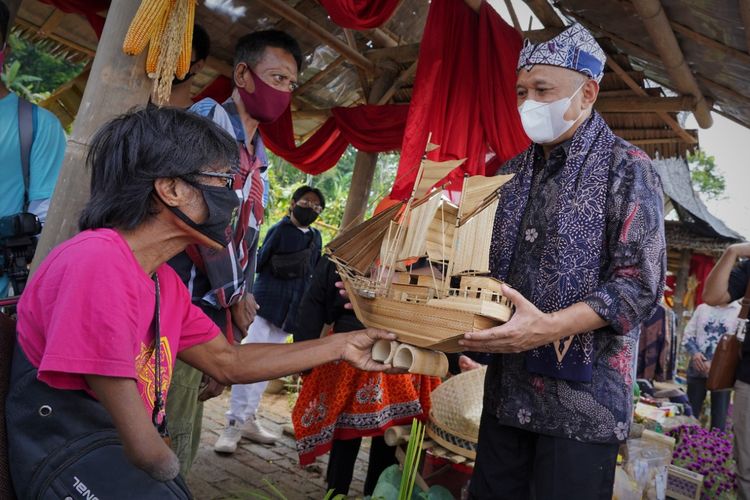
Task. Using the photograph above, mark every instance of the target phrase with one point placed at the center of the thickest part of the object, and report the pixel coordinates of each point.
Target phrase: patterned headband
(574, 49)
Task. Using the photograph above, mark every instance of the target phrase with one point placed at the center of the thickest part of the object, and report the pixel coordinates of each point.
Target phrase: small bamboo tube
(396, 435)
(422, 361)
(384, 350)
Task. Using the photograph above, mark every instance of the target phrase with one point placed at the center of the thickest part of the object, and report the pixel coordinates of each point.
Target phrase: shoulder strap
(26, 135)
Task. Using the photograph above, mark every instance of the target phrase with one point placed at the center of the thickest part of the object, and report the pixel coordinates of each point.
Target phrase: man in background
(32, 147)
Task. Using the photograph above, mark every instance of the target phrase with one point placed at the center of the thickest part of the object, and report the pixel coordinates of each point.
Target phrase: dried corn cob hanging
(167, 26)
(142, 28)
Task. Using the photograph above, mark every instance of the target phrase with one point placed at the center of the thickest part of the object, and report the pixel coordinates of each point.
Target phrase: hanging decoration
(464, 94)
(360, 14)
(166, 26)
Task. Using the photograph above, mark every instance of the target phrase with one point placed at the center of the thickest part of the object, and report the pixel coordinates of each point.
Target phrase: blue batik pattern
(584, 225)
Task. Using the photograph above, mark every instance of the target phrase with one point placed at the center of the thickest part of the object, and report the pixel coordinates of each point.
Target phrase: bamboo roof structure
(644, 95)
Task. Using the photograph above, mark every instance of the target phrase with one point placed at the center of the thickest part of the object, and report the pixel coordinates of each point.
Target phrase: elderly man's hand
(528, 328)
(358, 349)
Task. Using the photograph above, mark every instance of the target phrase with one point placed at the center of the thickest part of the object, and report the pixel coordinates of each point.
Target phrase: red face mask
(266, 104)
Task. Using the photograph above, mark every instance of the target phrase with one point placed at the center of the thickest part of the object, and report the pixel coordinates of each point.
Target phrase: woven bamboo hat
(456, 410)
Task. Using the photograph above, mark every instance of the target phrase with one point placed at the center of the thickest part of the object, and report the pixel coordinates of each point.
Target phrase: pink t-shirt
(89, 310)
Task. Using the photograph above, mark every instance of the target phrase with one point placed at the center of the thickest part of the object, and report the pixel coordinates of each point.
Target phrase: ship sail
(418, 225)
(440, 232)
(433, 172)
(479, 202)
(359, 246)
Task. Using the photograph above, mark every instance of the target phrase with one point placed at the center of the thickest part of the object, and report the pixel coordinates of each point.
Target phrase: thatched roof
(342, 64)
(693, 213)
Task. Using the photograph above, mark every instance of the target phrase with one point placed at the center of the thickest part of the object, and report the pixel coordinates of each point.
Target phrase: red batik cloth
(338, 401)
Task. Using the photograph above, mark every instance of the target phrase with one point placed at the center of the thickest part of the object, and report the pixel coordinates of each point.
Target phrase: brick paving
(243, 474)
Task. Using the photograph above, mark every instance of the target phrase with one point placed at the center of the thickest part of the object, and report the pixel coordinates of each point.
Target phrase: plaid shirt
(218, 279)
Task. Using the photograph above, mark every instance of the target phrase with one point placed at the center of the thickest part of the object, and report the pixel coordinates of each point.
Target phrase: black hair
(303, 190)
(4, 22)
(201, 43)
(130, 152)
(250, 48)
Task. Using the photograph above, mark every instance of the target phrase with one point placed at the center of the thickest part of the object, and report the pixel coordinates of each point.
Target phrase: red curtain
(368, 128)
(371, 128)
(360, 14)
(88, 8)
(464, 94)
(700, 266)
(317, 154)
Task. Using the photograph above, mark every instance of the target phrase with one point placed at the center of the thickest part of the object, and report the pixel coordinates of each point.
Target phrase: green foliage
(33, 71)
(21, 84)
(707, 178)
(283, 179)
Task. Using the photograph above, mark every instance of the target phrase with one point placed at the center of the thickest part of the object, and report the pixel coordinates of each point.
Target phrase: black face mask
(223, 205)
(304, 215)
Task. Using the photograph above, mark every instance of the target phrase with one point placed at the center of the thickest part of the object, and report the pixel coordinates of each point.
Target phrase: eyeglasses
(228, 178)
(306, 204)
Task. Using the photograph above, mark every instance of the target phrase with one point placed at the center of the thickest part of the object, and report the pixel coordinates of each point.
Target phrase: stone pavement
(242, 475)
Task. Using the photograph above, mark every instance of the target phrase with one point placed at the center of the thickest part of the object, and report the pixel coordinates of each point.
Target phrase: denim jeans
(696, 393)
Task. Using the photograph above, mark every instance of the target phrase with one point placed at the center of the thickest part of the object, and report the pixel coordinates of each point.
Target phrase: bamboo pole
(118, 82)
(643, 104)
(513, 16)
(280, 8)
(702, 39)
(545, 13)
(400, 82)
(671, 122)
(657, 24)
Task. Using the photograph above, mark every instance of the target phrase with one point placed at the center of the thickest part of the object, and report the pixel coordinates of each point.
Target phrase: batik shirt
(231, 283)
(631, 280)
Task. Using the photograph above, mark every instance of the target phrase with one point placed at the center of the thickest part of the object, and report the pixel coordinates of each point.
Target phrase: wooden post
(365, 163)
(657, 25)
(118, 82)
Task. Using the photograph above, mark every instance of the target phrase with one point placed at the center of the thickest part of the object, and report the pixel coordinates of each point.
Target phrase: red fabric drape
(360, 14)
(317, 154)
(700, 266)
(371, 128)
(368, 128)
(88, 8)
(464, 93)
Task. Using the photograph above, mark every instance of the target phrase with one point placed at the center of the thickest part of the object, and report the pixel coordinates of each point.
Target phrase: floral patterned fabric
(585, 225)
(339, 401)
(704, 330)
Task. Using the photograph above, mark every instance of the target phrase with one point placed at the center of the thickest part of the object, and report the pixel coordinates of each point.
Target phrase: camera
(17, 245)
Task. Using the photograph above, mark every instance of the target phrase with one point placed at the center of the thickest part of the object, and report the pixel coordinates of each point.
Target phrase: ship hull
(418, 324)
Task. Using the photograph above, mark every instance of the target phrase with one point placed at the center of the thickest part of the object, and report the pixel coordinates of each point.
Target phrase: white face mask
(544, 122)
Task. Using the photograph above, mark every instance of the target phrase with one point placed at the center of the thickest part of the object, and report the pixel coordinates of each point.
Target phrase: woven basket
(456, 411)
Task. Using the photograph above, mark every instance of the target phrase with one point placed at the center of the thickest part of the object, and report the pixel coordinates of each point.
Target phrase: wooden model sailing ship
(457, 295)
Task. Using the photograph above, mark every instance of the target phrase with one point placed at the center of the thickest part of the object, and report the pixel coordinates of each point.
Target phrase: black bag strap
(26, 137)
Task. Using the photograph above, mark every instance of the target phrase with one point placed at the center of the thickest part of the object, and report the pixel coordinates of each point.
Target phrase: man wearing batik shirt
(579, 236)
